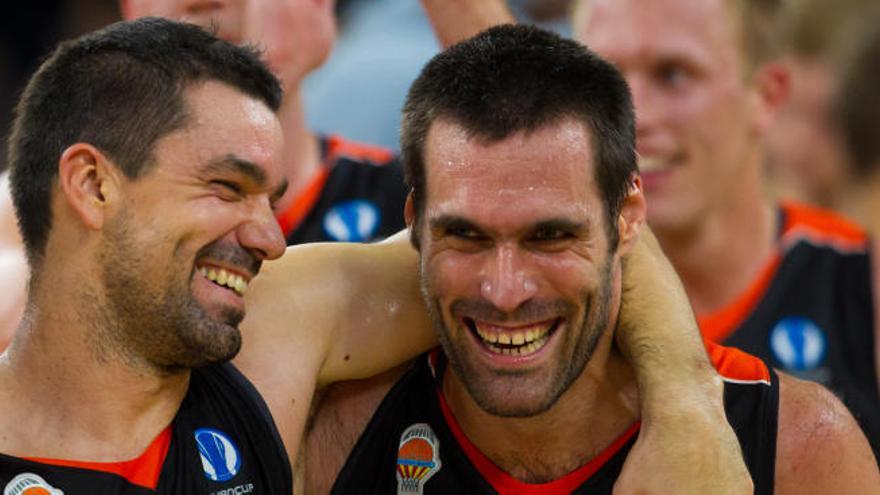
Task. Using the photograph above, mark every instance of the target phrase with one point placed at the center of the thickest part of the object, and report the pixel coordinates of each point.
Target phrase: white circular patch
(798, 343)
(352, 221)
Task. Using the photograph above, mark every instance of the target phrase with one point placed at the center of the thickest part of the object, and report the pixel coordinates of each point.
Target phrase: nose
(261, 233)
(507, 281)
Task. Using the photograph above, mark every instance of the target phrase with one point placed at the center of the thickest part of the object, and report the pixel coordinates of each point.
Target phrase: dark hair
(520, 78)
(857, 105)
(119, 89)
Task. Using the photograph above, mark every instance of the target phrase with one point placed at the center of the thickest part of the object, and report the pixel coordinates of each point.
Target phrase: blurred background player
(784, 282)
(857, 111)
(807, 156)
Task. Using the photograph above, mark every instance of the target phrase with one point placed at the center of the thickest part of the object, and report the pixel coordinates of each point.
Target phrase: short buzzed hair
(119, 89)
(512, 79)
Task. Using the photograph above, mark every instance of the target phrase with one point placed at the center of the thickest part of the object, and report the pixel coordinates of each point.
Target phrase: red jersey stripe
(143, 471)
(506, 484)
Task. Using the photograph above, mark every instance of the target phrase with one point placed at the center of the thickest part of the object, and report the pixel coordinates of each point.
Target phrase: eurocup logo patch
(418, 458)
(798, 343)
(30, 484)
(221, 459)
(352, 221)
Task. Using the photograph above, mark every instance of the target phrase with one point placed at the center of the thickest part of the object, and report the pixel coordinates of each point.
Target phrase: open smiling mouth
(520, 341)
(225, 279)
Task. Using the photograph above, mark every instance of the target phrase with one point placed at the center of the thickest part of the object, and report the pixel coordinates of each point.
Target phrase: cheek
(453, 275)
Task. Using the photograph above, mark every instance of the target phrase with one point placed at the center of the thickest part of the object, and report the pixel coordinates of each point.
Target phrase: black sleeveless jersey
(356, 196)
(810, 313)
(222, 442)
(413, 444)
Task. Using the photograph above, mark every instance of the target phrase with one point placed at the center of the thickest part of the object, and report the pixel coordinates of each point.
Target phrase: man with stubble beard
(520, 149)
(145, 165)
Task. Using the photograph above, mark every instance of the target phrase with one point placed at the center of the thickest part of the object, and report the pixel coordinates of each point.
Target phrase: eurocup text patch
(418, 458)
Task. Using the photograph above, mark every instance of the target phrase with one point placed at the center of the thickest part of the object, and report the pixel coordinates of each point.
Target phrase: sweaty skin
(344, 327)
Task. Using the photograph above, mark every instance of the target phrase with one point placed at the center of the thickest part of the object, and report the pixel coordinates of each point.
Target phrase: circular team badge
(798, 344)
(30, 484)
(220, 457)
(352, 221)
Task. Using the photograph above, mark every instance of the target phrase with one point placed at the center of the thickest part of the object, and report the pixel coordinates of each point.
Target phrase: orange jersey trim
(737, 366)
(815, 225)
(821, 227)
(336, 148)
(720, 324)
(506, 484)
(293, 216)
(143, 471)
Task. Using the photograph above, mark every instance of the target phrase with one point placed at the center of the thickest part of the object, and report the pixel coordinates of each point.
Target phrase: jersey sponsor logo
(418, 458)
(220, 458)
(30, 484)
(798, 344)
(352, 221)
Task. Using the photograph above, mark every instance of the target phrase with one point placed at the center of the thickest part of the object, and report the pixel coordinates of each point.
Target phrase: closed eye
(229, 190)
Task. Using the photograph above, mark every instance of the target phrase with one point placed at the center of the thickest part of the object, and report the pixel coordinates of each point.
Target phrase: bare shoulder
(338, 420)
(820, 447)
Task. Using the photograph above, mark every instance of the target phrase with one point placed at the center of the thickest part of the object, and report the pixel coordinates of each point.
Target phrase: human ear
(771, 89)
(88, 182)
(631, 217)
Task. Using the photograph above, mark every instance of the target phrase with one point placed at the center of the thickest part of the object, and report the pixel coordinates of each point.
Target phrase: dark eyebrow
(451, 222)
(562, 224)
(235, 165)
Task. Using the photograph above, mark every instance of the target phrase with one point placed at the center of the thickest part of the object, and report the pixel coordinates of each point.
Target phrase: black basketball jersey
(356, 196)
(222, 442)
(810, 313)
(413, 444)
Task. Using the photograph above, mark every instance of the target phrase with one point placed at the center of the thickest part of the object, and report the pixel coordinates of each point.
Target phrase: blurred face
(193, 231)
(296, 34)
(515, 261)
(693, 108)
(804, 144)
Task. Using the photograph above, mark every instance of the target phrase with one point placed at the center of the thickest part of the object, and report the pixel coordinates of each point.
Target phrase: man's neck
(59, 399)
(302, 153)
(596, 409)
(720, 256)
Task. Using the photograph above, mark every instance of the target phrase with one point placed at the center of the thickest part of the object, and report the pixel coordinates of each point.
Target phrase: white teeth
(525, 341)
(524, 350)
(224, 278)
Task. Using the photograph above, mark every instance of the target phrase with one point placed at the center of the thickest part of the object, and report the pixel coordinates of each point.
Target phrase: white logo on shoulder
(30, 484)
(798, 343)
(352, 221)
